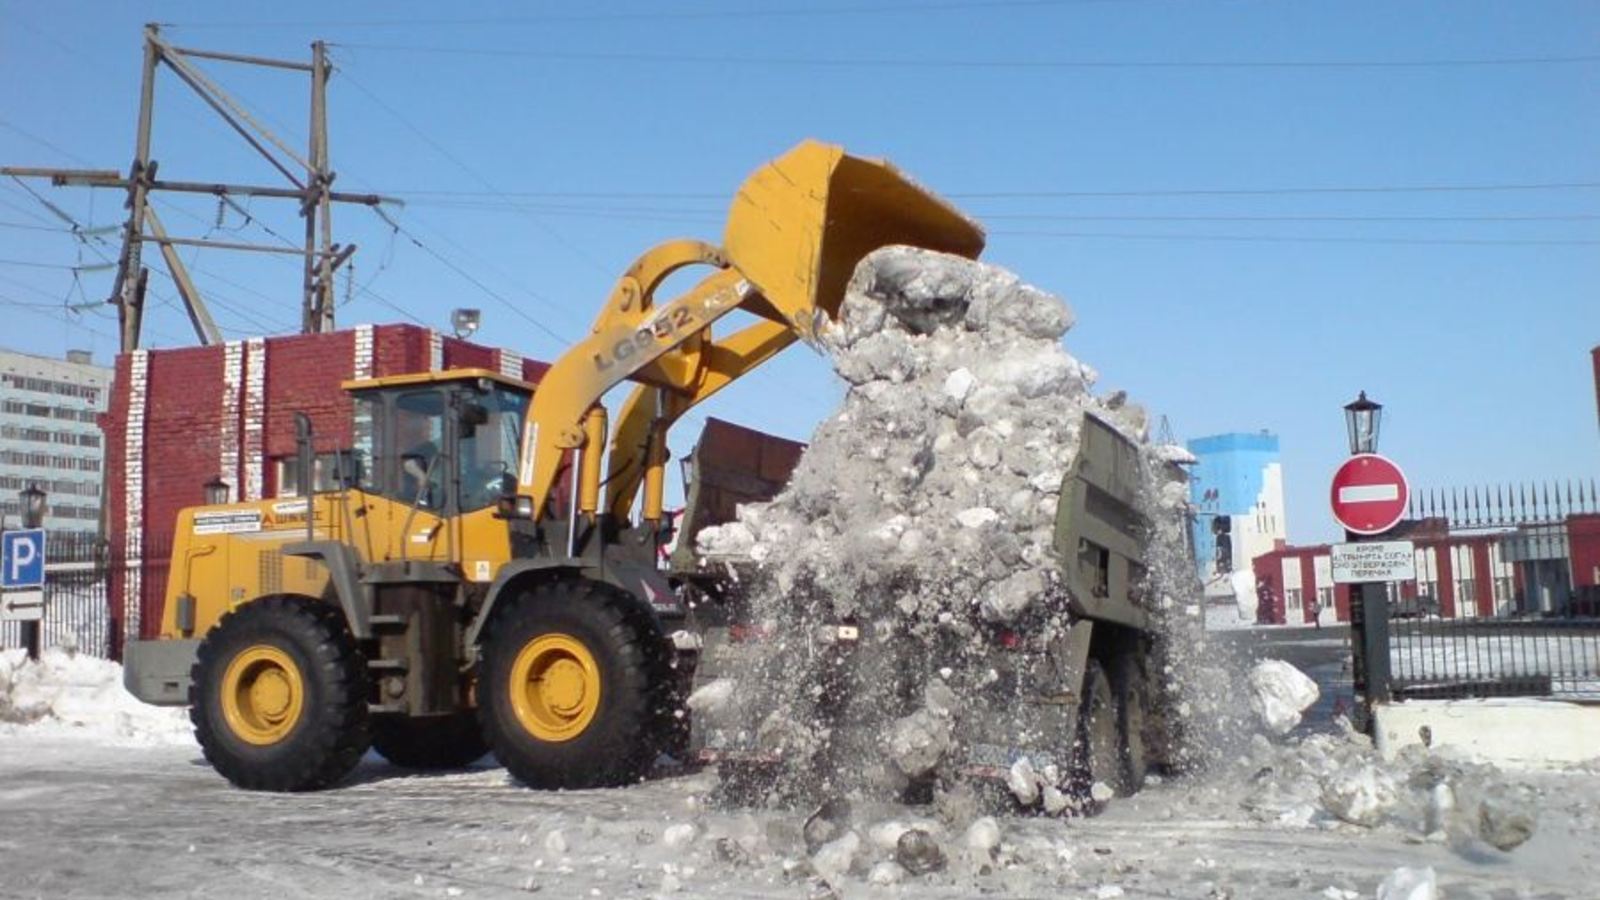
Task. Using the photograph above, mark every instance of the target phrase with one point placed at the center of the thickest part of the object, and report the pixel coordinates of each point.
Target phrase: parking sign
(22, 558)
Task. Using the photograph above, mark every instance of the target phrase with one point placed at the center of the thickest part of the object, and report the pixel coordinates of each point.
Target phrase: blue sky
(542, 146)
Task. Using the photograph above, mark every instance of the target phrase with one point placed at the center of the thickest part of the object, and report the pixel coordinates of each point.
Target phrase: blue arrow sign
(22, 558)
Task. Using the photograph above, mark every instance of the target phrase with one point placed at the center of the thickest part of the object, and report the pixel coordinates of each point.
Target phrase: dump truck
(1088, 705)
(480, 570)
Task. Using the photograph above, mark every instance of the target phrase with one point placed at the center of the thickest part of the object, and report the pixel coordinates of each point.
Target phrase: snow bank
(1330, 780)
(67, 694)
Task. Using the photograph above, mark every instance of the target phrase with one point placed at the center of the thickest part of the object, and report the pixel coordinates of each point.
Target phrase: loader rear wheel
(433, 742)
(1098, 760)
(278, 696)
(569, 688)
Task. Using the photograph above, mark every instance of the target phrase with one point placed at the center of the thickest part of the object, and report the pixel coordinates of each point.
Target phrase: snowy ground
(79, 818)
(103, 797)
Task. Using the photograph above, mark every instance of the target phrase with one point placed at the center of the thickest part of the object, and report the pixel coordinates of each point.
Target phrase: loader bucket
(801, 223)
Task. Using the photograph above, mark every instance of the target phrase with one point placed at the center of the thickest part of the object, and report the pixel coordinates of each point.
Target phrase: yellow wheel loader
(460, 582)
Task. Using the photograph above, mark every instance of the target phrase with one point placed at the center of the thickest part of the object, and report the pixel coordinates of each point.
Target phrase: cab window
(418, 437)
(488, 458)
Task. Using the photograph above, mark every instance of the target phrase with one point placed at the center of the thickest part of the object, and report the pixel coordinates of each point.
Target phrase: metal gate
(1513, 611)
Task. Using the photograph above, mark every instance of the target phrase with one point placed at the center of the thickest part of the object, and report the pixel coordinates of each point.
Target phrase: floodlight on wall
(464, 322)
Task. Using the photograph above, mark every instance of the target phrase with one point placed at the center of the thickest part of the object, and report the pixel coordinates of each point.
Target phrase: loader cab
(445, 443)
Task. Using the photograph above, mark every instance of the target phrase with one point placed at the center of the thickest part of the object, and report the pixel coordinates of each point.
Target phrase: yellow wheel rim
(555, 687)
(262, 695)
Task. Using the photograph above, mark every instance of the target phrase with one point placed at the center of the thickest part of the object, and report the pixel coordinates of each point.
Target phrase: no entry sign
(1369, 494)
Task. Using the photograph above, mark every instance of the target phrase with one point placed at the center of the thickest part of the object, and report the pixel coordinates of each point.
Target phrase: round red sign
(1369, 494)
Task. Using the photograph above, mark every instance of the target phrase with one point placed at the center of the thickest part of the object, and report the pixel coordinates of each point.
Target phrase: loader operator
(419, 429)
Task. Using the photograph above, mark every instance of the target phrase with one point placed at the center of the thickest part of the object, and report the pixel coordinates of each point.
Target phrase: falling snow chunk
(1279, 693)
(1023, 782)
(679, 835)
(711, 697)
(1407, 883)
(977, 517)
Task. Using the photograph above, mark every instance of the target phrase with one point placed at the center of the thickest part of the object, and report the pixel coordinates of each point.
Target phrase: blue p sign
(22, 558)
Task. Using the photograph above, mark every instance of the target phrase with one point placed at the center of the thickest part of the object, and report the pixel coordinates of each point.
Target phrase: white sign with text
(1374, 561)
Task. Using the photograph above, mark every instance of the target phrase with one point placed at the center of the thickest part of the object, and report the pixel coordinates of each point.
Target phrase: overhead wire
(470, 171)
(452, 266)
(657, 14)
(925, 63)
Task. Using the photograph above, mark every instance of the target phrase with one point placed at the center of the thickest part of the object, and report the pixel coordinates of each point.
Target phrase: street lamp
(32, 506)
(216, 491)
(1362, 417)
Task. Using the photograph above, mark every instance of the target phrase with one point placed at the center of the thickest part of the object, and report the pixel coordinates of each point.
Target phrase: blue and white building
(50, 436)
(1236, 488)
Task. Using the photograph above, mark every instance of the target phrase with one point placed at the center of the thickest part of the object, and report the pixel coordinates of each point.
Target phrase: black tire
(1130, 687)
(1098, 751)
(278, 696)
(593, 633)
(432, 742)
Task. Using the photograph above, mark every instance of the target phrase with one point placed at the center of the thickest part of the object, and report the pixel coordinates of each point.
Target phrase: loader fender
(343, 579)
(650, 589)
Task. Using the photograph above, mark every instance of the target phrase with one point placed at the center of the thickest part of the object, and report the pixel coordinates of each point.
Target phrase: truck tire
(431, 742)
(1131, 689)
(278, 696)
(1098, 757)
(568, 694)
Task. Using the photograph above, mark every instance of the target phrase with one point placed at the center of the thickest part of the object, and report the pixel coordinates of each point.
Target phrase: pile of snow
(69, 694)
(925, 511)
(1325, 780)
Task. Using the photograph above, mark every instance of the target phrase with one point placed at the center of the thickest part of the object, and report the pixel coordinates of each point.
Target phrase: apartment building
(50, 435)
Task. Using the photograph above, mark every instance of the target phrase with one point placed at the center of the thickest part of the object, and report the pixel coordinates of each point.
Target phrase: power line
(923, 62)
(686, 213)
(469, 170)
(1049, 193)
(447, 263)
(656, 15)
(1297, 239)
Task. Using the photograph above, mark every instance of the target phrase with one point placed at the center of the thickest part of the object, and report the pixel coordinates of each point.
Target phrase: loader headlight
(517, 506)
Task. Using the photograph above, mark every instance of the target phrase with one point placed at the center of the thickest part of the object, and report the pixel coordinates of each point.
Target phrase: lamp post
(33, 509)
(32, 506)
(1369, 605)
(216, 491)
(1362, 417)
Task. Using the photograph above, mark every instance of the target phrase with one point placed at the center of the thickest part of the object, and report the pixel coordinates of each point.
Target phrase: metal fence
(77, 614)
(1513, 612)
(1554, 656)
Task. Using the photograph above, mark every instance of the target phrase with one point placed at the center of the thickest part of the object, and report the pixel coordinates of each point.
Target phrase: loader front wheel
(432, 742)
(278, 696)
(568, 692)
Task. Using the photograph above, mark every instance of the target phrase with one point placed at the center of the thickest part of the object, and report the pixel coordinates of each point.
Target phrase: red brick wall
(185, 432)
(462, 355)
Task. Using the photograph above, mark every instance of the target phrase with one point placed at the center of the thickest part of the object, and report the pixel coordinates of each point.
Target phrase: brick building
(179, 418)
(1533, 569)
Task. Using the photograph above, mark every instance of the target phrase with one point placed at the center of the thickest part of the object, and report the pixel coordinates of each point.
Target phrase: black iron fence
(1506, 601)
(1554, 656)
(77, 611)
